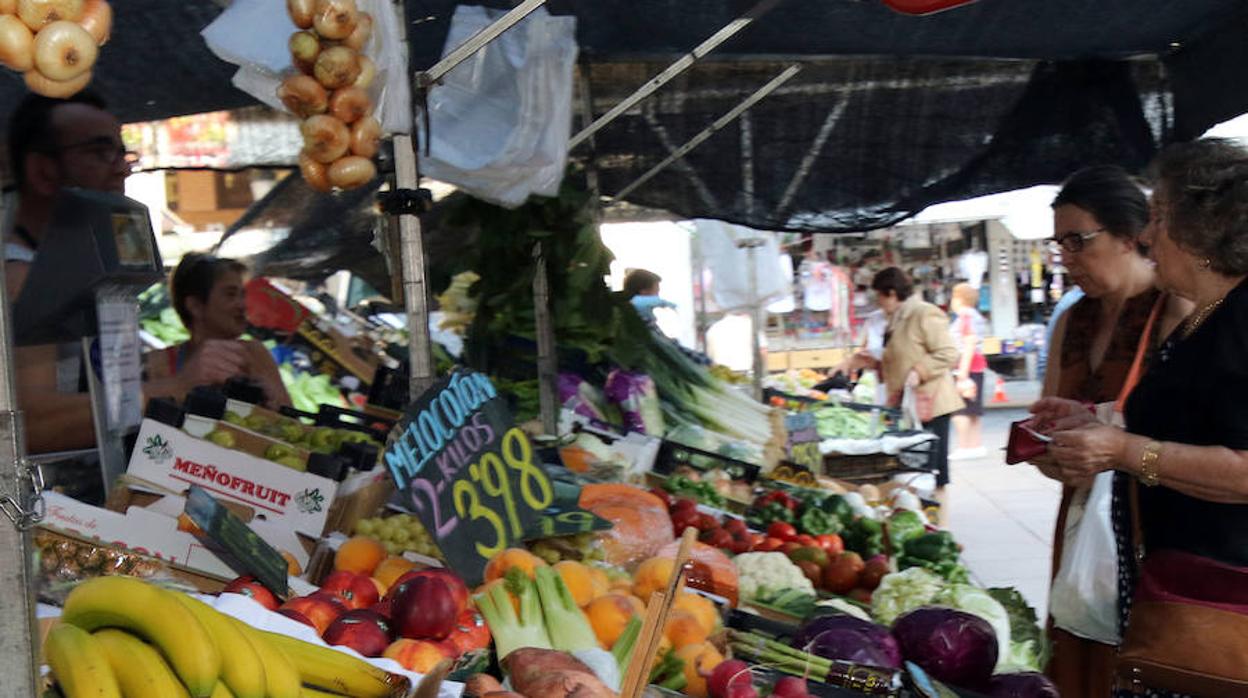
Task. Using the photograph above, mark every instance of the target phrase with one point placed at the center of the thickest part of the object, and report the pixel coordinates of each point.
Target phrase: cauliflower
(904, 591)
(761, 573)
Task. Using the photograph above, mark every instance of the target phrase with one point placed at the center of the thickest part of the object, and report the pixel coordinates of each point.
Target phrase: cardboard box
(361, 496)
(203, 582)
(173, 459)
(245, 440)
(335, 354)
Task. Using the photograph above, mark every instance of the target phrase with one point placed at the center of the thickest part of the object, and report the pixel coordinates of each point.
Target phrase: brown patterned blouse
(1077, 380)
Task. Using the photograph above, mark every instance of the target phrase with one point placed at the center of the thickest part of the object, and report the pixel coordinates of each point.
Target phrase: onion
(337, 67)
(17, 44)
(303, 96)
(359, 36)
(8, 7)
(97, 19)
(351, 172)
(314, 173)
(56, 89)
(335, 19)
(301, 12)
(368, 71)
(304, 48)
(37, 14)
(366, 137)
(64, 50)
(325, 138)
(350, 104)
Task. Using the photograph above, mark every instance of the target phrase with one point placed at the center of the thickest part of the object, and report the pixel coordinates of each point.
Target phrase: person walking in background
(641, 287)
(968, 329)
(919, 355)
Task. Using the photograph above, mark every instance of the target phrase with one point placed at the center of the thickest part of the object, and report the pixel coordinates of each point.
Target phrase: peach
(512, 557)
(578, 580)
(609, 615)
(701, 607)
(420, 656)
(321, 608)
(684, 629)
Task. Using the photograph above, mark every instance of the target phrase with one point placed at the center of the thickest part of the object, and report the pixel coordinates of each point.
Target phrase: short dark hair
(1111, 195)
(895, 280)
(30, 127)
(194, 277)
(1203, 187)
(639, 280)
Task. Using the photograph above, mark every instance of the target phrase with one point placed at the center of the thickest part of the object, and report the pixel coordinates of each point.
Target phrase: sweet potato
(537, 673)
(482, 684)
(568, 684)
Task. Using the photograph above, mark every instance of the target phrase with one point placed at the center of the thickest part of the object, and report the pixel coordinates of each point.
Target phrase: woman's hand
(1083, 452)
(1053, 414)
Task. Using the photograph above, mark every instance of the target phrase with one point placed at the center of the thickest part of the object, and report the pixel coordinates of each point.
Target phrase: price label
(244, 546)
(803, 440)
(469, 473)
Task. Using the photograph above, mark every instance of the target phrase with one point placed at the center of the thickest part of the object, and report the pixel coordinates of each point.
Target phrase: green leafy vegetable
(511, 631)
(1029, 648)
(904, 526)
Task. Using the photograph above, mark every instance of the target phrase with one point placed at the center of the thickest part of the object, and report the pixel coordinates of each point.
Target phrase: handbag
(1188, 628)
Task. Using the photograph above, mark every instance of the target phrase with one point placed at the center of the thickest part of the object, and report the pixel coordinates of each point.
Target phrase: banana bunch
(121, 637)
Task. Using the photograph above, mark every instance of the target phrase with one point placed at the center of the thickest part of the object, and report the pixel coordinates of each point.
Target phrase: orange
(391, 568)
(700, 660)
(609, 615)
(653, 575)
(599, 580)
(512, 557)
(360, 554)
(578, 580)
(292, 565)
(701, 607)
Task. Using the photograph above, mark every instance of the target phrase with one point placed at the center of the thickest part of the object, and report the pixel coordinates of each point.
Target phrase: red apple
(355, 590)
(248, 586)
(470, 633)
(419, 656)
(364, 631)
(321, 609)
(426, 609)
(458, 588)
(296, 616)
(385, 607)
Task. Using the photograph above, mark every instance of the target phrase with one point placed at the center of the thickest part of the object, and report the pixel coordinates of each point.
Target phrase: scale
(99, 254)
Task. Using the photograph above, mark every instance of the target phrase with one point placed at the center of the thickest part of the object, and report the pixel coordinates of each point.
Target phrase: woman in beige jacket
(919, 352)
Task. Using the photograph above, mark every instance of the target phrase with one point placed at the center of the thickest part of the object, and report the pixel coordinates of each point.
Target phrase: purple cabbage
(953, 646)
(1027, 684)
(849, 639)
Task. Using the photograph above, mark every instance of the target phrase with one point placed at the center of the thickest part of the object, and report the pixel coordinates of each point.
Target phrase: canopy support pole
(415, 291)
(20, 488)
(709, 131)
(681, 65)
(427, 78)
(547, 361)
(751, 245)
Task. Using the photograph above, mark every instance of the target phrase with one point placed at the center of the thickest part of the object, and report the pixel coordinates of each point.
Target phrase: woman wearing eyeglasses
(208, 296)
(1098, 219)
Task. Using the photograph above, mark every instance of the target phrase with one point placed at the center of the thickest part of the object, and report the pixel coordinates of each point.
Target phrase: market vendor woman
(208, 295)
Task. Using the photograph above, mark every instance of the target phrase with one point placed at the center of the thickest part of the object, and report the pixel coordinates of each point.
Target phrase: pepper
(865, 537)
(904, 526)
(933, 546)
(838, 507)
(770, 512)
(818, 522)
(777, 496)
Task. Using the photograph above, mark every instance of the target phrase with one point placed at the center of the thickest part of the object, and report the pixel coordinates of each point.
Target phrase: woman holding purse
(1181, 463)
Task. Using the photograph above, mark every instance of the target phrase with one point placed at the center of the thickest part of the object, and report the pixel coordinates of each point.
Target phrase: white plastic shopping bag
(1084, 597)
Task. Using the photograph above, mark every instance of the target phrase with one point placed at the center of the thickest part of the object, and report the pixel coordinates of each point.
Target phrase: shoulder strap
(1133, 378)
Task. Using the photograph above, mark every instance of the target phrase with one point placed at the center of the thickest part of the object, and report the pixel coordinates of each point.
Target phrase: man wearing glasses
(55, 143)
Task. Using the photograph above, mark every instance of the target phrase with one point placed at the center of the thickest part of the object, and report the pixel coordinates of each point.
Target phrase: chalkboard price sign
(803, 441)
(468, 472)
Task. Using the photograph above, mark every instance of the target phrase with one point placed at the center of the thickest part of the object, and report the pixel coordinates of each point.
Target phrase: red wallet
(1025, 443)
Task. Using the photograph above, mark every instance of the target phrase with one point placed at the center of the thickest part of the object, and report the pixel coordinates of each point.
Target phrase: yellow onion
(64, 50)
(335, 19)
(350, 104)
(314, 173)
(303, 96)
(8, 7)
(56, 89)
(359, 35)
(37, 14)
(17, 44)
(304, 48)
(351, 172)
(368, 71)
(337, 67)
(325, 138)
(365, 137)
(97, 19)
(300, 12)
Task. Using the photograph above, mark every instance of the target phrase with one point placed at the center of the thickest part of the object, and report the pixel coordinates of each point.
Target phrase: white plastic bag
(252, 34)
(730, 266)
(500, 122)
(1084, 597)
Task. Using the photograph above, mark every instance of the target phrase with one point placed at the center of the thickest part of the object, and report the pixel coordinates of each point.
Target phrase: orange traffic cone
(998, 393)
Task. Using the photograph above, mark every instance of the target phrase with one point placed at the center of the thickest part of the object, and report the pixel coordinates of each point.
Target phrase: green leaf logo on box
(158, 449)
(310, 501)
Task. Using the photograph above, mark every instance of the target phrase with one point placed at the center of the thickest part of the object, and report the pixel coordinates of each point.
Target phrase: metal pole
(472, 44)
(675, 69)
(19, 667)
(713, 128)
(415, 293)
(547, 362)
(751, 246)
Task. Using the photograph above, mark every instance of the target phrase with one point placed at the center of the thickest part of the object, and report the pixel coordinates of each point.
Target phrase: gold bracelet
(1150, 474)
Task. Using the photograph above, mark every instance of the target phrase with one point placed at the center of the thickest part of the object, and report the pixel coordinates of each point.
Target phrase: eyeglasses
(104, 150)
(1073, 241)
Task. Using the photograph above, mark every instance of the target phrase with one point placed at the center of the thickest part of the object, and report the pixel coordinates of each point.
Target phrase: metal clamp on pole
(404, 202)
(26, 507)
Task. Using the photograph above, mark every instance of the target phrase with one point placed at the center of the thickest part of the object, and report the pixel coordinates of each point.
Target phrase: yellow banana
(280, 676)
(79, 664)
(309, 692)
(222, 691)
(139, 669)
(241, 669)
(150, 613)
(337, 671)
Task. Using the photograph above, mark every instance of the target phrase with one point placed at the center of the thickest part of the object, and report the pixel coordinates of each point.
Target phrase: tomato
(784, 531)
(806, 540)
(718, 538)
(769, 545)
(735, 526)
(707, 522)
(682, 519)
(739, 546)
(831, 544)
